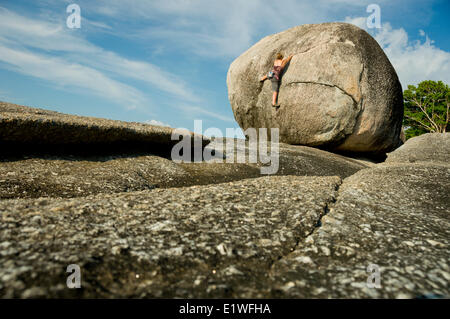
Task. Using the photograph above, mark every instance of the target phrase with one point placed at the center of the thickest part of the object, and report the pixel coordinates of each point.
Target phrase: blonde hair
(279, 56)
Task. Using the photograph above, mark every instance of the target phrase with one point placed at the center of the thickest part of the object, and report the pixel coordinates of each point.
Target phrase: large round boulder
(339, 91)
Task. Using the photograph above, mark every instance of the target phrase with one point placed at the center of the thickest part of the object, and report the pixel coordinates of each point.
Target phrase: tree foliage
(426, 108)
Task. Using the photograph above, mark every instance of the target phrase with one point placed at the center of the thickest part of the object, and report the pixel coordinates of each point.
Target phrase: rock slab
(199, 241)
(430, 148)
(393, 216)
(25, 128)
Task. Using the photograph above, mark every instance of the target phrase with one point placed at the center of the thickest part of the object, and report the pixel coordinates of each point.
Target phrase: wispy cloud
(35, 33)
(196, 111)
(218, 29)
(30, 45)
(6, 96)
(97, 24)
(211, 28)
(157, 123)
(414, 61)
(66, 75)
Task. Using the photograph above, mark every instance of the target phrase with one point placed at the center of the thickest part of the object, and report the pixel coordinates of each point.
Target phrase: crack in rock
(325, 84)
(318, 224)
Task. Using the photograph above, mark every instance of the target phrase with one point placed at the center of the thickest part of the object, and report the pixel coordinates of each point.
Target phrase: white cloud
(97, 24)
(24, 35)
(41, 34)
(360, 22)
(217, 29)
(212, 28)
(67, 75)
(148, 73)
(157, 123)
(195, 111)
(414, 61)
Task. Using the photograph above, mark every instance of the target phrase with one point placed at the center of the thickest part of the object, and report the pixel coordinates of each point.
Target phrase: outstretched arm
(286, 61)
(263, 78)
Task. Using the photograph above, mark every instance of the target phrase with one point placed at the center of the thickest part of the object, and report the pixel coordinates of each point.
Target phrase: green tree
(426, 108)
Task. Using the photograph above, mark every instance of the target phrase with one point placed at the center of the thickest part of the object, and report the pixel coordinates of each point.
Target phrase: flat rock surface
(295, 159)
(200, 241)
(431, 147)
(309, 161)
(277, 236)
(74, 176)
(37, 127)
(394, 216)
(141, 225)
(65, 176)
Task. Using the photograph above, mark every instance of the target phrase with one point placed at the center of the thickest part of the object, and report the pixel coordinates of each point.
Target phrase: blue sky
(166, 61)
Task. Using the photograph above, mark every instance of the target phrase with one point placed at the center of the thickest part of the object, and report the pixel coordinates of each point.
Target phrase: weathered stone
(76, 175)
(253, 238)
(431, 148)
(276, 236)
(199, 241)
(31, 130)
(339, 90)
(390, 216)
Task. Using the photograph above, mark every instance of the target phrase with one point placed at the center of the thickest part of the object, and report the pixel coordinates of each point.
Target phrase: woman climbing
(275, 75)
